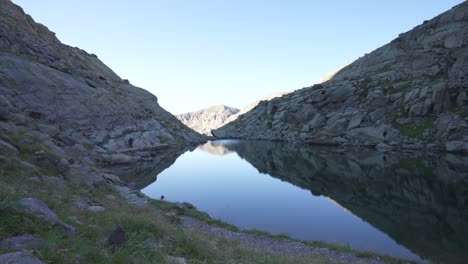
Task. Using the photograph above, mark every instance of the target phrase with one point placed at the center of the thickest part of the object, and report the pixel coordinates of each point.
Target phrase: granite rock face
(205, 120)
(65, 91)
(253, 105)
(412, 91)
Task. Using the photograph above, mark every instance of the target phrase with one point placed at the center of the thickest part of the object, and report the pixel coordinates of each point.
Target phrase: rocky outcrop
(411, 93)
(205, 120)
(253, 105)
(65, 92)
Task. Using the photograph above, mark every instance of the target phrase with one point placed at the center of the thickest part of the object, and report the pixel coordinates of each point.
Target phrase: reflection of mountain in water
(215, 148)
(421, 202)
(145, 173)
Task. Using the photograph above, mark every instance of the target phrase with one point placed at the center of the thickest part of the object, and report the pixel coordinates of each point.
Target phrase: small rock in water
(118, 236)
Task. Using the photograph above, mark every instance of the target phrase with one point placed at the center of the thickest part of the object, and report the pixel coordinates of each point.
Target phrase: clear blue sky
(193, 54)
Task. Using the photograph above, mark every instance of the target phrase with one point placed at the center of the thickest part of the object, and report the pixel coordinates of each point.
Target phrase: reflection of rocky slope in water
(421, 202)
(145, 173)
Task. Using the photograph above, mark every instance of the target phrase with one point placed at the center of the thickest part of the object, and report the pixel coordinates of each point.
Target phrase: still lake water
(412, 206)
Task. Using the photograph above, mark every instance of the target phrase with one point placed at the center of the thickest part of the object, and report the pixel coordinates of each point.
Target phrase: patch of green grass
(202, 216)
(383, 69)
(415, 130)
(88, 146)
(265, 233)
(163, 139)
(14, 222)
(364, 87)
(458, 110)
(395, 91)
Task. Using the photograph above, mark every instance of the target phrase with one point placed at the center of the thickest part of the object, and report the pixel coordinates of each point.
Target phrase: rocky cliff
(71, 95)
(252, 106)
(411, 93)
(205, 120)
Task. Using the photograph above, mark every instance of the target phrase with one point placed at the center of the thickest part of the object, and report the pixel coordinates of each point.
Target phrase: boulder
(20, 257)
(457, 146)
(175, 260)
(341, 93)
(382, 147)
(134, 197)
(23, 242)
(355, 121)
(40, 209)
(96, 208)
(374, 135)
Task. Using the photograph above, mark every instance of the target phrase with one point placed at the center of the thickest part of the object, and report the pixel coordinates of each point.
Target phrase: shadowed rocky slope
(410, 93)
(205, 120)
(420, 201)
(58, 89)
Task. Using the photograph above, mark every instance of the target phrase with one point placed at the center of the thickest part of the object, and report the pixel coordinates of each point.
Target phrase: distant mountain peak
(204, 120)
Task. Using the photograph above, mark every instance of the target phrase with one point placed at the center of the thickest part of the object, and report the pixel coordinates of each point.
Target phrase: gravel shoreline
(275, 245)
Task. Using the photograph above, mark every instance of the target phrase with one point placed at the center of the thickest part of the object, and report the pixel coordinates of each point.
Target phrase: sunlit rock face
(253, 105)
(419, 200)
(45, 82)
(410, 93)
(205, 120)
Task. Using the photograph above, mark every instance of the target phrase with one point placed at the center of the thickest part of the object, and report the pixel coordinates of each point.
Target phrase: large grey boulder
(20, 257)
(133, 197)
(457, 146)
(175, 260)
(40, 209)
(23, 242)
